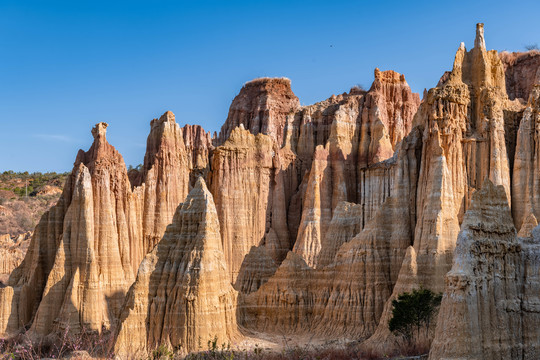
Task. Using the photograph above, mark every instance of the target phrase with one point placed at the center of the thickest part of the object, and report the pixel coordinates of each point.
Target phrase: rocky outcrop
(389, 108)
(262, 106)
(490, 306)
(92, 266)
(165, 176)
(86, 250)
(199, 149)
(464, 143)
(182, 294)
(248, 189)
(365, 129)
(344, 295)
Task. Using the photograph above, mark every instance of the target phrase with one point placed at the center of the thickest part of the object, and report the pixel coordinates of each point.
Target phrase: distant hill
(24, 197)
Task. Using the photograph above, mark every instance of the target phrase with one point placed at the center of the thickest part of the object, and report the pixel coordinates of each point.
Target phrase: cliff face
(182, 294)
(85, 252)
(489, 310)
(526, 182)
(463, 121)
(248, 189)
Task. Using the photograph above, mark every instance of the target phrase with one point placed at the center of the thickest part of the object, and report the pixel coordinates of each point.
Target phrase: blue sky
(66, 65)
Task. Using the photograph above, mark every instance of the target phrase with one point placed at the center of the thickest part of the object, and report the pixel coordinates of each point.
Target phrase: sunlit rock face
(262, 106)
(314, 219)
(182, 293)
(86, 250)
(489, 309)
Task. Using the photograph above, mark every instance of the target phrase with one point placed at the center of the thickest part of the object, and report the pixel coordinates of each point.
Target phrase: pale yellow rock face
(490, 307)
(166, 179)
(247, 185)
(182, 295)
(86, 250)
(317, 207)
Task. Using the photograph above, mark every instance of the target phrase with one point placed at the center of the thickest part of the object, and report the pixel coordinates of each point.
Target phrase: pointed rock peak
(167, 116)
(200, 185)
(528, 226)
(489, 211)
(100, 149)
(99, 131)
(479, 41)
(241, 127)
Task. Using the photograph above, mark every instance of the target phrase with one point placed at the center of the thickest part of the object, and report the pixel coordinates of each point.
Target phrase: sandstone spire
(182, 294)
(485, 313)
(86, 250)
(464, 143)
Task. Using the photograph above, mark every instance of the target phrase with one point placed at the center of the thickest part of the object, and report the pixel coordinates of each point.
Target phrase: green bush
(413, 312)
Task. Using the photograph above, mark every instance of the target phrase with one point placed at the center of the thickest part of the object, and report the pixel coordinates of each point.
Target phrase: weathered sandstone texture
(247, 185)
(262, 106)
(315, 218)
(182, 294)
(463, 121)
(86, 250)
(199, 151)
(490, 306)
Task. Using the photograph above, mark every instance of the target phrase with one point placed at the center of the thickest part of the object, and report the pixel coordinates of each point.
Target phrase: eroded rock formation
(490, 307)
(262, 106)
(182, 294)
(86, 250)
(12, 252)
(323, 214)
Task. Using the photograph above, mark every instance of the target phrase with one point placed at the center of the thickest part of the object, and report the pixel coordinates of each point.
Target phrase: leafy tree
(413, 311)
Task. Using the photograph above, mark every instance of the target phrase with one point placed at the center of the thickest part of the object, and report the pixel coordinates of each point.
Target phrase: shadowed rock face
(182, 293)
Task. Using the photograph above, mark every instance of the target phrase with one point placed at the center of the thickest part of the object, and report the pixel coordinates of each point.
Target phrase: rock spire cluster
(307, 220)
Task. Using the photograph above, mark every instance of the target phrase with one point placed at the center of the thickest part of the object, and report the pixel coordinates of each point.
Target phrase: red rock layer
(262, 106)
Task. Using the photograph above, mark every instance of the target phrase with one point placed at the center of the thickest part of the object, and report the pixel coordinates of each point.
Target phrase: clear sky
(66, 65)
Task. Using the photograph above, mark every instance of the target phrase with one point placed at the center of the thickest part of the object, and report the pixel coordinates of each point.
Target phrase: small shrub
(413, 312)
(162, 352)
